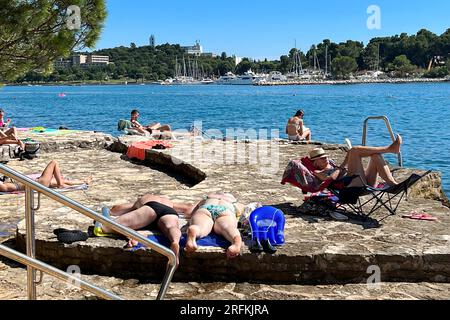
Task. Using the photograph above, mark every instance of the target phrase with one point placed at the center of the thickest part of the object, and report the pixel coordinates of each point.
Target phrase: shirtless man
(153, 128)
(296, 129)
(145, 211)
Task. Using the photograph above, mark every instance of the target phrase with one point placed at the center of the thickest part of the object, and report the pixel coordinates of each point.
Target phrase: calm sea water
(420, 112)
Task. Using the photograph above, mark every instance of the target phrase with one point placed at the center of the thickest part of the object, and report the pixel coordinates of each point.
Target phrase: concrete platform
(318, 251)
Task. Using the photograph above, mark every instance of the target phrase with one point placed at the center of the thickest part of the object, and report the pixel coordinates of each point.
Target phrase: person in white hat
(353, 165)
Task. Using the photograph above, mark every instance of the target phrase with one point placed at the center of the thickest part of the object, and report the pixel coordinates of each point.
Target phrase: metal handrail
(61, 275)
(31, 186)
(389, 127)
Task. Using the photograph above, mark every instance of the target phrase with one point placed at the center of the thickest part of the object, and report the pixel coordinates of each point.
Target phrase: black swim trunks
(161, 209)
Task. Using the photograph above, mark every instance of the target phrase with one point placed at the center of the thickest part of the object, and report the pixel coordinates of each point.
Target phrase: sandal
(420, 216)
(98, 226)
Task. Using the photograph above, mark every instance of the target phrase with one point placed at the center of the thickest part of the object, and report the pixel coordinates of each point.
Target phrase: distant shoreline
(274, 83)
(355, 81)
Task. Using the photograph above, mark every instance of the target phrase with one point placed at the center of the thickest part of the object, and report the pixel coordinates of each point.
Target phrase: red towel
(299, 173)
(137, 149)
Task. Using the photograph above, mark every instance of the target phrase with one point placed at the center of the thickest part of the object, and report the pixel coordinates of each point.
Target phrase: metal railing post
(31, 187)
(58, 274)
(166, 282)
(30, 241)
(391, 133)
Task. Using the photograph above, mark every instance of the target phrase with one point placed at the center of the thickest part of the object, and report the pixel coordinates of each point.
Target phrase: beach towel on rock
(212, 240)
(137, 149)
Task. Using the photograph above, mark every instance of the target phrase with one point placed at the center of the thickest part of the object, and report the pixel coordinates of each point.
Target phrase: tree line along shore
(423, 55)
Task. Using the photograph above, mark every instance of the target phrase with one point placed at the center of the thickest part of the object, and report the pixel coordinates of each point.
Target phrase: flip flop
(420, 216)
(98, 232)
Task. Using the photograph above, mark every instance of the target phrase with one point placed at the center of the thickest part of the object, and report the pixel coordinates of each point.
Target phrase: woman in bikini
(218, 212)
(51, 178)
(296, 129)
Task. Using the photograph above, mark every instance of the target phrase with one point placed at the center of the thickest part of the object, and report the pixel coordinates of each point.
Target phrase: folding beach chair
(388, 197)
(299, 173)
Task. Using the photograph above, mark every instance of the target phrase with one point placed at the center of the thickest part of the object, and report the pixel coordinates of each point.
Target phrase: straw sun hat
(317, 154)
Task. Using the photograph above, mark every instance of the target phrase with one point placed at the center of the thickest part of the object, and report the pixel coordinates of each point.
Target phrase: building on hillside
(152, 41)
(196, 50)
(96, 60)
(82, 60)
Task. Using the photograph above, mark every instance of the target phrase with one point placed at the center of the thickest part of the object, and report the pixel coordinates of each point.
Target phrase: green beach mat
(52, 131)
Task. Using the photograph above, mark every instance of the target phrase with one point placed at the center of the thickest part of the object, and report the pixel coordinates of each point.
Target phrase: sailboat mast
(300, 62)
(176, 67)
(378, 58)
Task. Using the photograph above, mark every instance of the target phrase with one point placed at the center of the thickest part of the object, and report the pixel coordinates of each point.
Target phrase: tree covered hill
(401, 55)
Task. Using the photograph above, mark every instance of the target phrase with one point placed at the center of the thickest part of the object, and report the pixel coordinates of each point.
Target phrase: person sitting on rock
(148, 211)
(152, 128)
(8, 135)
(51, 177)
(218, 212)
(296, 129)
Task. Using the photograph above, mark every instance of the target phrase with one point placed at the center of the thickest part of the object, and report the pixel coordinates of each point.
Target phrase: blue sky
(264, 28)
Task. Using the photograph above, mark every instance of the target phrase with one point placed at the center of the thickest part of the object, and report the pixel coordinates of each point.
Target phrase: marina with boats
(193, 73)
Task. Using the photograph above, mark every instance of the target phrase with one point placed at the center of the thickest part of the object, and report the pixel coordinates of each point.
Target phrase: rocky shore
(322, 258)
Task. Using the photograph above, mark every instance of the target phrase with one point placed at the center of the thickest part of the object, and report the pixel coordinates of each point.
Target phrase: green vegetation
(343, 67)
(401, 66)
(400, 55)
(35, 33)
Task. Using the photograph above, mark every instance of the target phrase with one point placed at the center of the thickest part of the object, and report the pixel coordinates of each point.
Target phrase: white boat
(275, 76)
(207, 81)
(245, 79)
(183, 80)
(248, 78)
(226, 79)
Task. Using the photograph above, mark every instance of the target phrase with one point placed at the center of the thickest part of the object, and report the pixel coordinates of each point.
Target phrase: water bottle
(105, 212)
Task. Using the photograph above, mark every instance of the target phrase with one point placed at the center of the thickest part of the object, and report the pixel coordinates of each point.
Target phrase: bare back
(294, 126)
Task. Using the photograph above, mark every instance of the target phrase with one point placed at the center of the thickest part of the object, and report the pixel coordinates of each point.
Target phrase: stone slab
(318, 251)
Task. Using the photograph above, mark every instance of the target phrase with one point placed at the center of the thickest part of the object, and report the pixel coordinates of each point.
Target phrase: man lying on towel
(51, 177)
(148, 211)
(152, 128)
